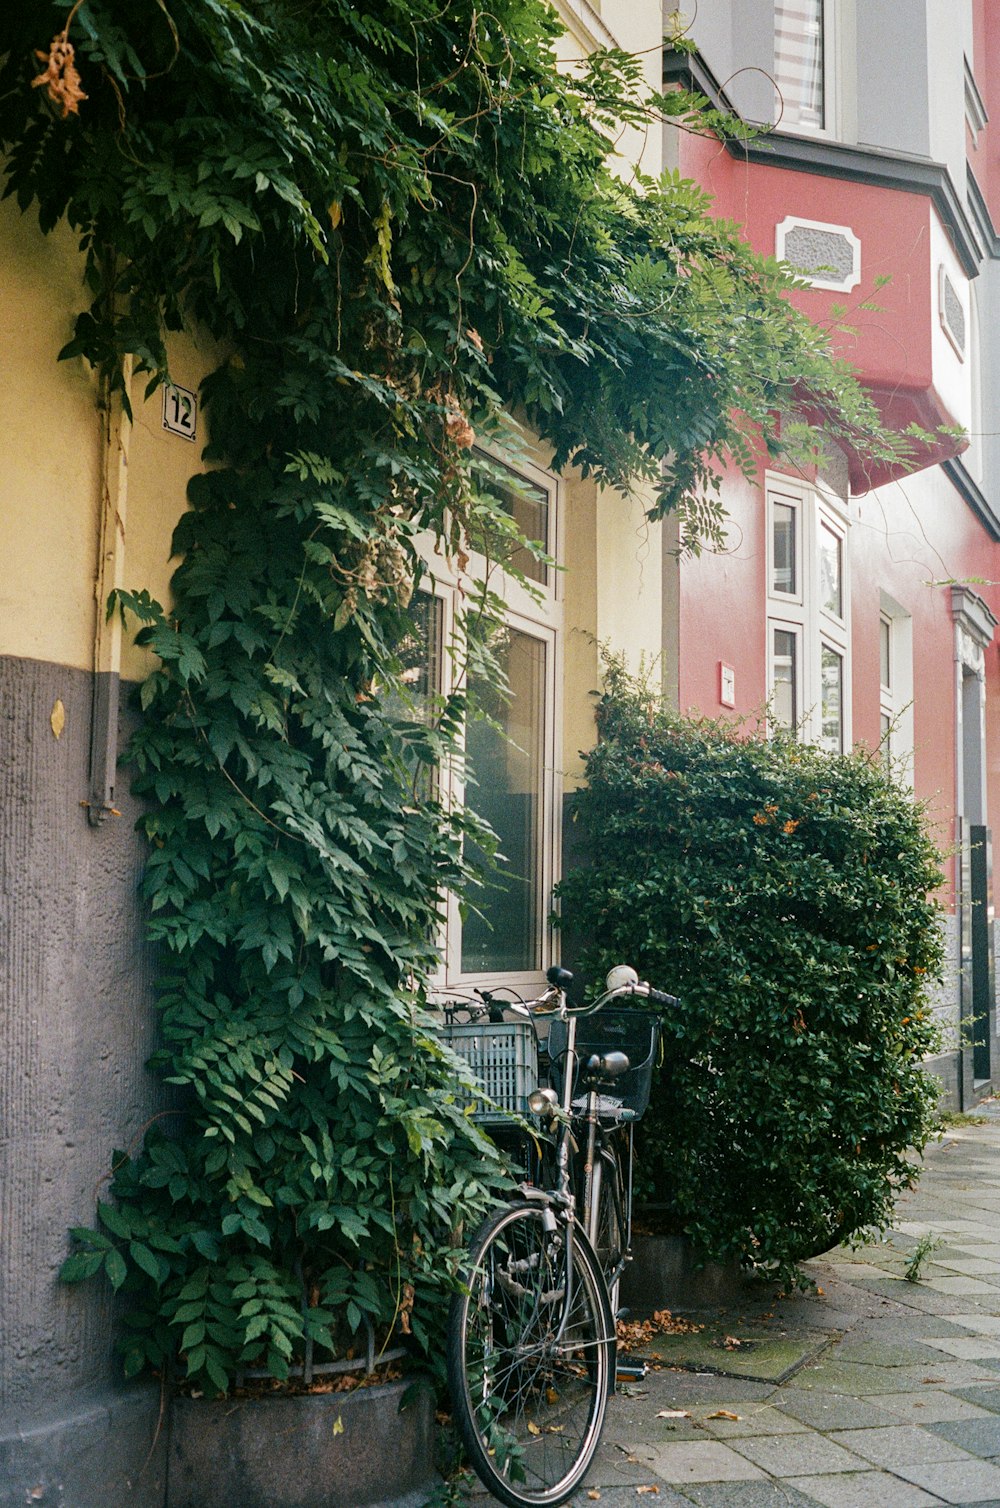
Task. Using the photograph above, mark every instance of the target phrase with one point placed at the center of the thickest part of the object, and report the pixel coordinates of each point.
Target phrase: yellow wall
(52, 466)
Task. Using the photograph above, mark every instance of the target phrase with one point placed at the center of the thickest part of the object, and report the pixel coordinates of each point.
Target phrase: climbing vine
(397, 223)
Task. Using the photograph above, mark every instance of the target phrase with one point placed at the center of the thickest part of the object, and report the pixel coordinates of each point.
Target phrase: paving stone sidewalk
(872, 1392)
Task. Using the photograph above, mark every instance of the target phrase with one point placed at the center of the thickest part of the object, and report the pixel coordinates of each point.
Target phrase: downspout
(116, 437)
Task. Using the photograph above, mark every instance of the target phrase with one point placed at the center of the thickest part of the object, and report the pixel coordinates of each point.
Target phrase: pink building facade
(863, 606)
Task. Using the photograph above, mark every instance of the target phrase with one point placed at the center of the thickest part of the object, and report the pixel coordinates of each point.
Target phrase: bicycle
(532, 1335)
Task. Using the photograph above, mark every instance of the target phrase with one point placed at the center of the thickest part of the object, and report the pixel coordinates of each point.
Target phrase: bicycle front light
(542, 1101)
(621, 977)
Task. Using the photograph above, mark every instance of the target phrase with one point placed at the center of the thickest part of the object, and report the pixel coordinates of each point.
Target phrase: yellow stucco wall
(52, 466)
(51, 476)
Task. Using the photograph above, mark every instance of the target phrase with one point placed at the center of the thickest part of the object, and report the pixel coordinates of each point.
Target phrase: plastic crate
(635, 1033)
(504, 1058)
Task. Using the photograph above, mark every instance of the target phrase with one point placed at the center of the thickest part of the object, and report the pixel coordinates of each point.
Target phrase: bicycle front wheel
(530, 1357)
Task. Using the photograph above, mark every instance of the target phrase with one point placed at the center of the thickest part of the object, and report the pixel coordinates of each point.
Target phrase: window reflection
(505, 756)
(798, 63)
(831, 700)
(784, 699)
(784, 518)
(831, 592)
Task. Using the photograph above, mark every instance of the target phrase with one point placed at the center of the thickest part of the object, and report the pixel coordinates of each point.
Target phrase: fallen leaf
(642, 1491)
(58, 718)
(594, 1495)
(338, 1425)
(533, 1428)
(551, 1396)
(723, 1414)
(673, 1414)
(554, 1429)
(932, 1379)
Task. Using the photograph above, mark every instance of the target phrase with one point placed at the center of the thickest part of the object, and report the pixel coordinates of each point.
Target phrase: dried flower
(460, 431)
(60, 79)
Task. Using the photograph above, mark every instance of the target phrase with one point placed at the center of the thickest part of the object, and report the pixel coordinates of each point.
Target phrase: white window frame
(896, 697)
(816, 625)
(538, 613)
(792, 626)
(830, 128)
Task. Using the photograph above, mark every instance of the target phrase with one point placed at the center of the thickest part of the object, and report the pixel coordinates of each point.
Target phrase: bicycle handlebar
(554, 1000)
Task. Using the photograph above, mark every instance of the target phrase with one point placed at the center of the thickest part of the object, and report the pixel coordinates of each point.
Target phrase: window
(808, 630)
(505, 751)
(509, 777)
(802, 64)
(527, 505)
(895, 630)
(785, 661)
(784, 570)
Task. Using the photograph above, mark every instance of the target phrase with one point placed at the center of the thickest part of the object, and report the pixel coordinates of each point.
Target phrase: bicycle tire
(529, 1392)
(609, 1247)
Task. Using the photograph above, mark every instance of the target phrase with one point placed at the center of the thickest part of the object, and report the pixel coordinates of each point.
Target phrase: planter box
(329, 1450)
(664, 1274)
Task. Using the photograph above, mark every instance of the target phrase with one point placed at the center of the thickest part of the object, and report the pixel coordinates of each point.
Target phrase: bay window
(807, 614)
(507, 775)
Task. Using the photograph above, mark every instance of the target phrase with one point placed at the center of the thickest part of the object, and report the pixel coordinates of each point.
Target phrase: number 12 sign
(180, 411)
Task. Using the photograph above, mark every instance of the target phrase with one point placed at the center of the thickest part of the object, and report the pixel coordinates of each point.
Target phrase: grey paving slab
(765, 1419)
(968, 1481)
(970, 1348)
(799, 1455)
(982, 1324)
(970, 1267)
(857, 1380)
(984, 1396)
(981, 1437)
(883, 1353)
(747, 1495)
(863, 1489)
(899, 1445)
(959, 1285)
(611, 1496)
(697, 1461)
(827, 1411)
(929, 1407)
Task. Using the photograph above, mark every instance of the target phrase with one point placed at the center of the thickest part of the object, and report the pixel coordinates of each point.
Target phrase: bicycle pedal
(631, 1371)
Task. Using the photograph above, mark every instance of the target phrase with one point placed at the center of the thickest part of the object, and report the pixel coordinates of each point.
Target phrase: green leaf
(114, 1266)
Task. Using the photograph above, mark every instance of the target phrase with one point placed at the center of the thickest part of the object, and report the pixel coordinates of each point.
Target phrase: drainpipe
(116, 436)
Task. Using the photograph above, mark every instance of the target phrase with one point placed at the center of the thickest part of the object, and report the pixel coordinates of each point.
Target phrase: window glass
(527, 506)
(420, 655)
(831, 591)
(784, 696)
(886, 745)
(885, 647)
(784, 519)
(505, 754)
(798, 63)
(420, 651)
(831, 700)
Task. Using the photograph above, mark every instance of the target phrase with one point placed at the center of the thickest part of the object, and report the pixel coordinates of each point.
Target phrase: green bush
(783, 894)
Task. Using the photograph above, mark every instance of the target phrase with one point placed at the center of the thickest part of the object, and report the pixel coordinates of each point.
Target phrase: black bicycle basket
(636, 1033)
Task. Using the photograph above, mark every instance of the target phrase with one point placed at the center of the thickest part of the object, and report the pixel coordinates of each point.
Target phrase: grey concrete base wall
(108, 1452)
(76, 1027)
(373, 1448)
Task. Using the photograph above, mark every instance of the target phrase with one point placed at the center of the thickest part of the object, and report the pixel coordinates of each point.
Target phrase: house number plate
(180, 411)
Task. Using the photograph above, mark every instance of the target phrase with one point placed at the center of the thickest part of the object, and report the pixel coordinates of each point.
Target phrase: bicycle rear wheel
(530, 1357)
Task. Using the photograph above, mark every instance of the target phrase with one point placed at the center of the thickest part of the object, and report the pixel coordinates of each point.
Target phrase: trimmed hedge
(786, 895)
